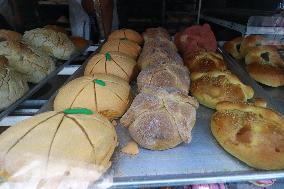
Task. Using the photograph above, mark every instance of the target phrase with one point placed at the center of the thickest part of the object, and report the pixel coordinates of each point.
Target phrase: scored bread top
(128, 34)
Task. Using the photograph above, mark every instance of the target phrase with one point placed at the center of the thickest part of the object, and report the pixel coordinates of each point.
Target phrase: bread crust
(8, 35)
(233, 47)
(128, 34)
(253, 134)
(249, 42)
(216, 86)
(79, 42)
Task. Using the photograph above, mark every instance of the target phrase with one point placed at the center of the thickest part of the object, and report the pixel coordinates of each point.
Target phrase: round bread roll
(106, 94)
(66, 144)
(114, 63)
(122, 45)
(8, 35)
(160, 118)
(79, 42)
(162, 43)
(254, 135)
(13, 84)
(233, 47)
(53, 43)
(151, 56)
(216, 86)
(265, 65)
(249, 42)
(32, 63)
(166, 75)
(128, 34)
(156, 33)
(56, 28)
(205, 61)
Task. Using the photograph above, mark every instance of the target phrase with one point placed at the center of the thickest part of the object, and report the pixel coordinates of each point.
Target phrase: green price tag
(78, 111)
(108, 57)
(100, 82)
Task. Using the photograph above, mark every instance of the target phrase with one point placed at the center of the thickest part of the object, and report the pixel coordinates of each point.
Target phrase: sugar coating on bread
(251, 133)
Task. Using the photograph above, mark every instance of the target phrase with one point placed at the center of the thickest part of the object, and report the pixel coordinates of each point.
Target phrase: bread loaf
(160, 119)
(55, 44)
(112, 63)
(127, 34)
(254, 135)
(8, 35)
(250, 42)
(54, 144)
(233, 47)
(106, 94)
(32, 63)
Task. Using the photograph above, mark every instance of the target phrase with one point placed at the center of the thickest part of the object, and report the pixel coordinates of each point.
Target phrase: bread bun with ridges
(216, 86)
(108, 95)
(233, 47)
(8, 35)
(128, 34)
(113, 63)
(253, 134)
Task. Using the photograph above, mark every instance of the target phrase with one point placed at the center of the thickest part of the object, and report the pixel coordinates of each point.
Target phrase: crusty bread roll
(233, 47)
(249, 42)
(160, 118)
(216, 86)
(54, 144)
(156, 33)
(166, 75)
(108, 95)
(203, 61)
(32, 63)
(13, 85)
(56, 28)
(113, 63)
(122, 45)
(8, 35)
(265, 65)
(55, 44)
(79, 42)
(250, 133)
(128, 34)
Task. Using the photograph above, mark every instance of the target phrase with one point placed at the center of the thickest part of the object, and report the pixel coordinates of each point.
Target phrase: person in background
(89, 17)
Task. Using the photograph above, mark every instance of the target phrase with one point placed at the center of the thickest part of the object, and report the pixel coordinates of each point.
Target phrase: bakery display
(27, 60)
(252, 134)
(74, 144)
(108, 95)
(233, 47)
(112, 63)
(122, 45)
(79, 42)
(13, 84)
(8, 35)
(53, 43)
(126, 34)
(196, 38)
(216, 86)
(160, 118)
(265, 65)
(205, 61)
(249, 42)
(166, 75)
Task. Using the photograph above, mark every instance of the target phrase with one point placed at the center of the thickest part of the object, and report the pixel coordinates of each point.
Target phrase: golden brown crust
(128, 34)
(113, 63)
(216, 86)
(253, 134)
(233, 47)
(79, 42)
(205, 61)
(8, 35)
(249, 42)
(122, 45)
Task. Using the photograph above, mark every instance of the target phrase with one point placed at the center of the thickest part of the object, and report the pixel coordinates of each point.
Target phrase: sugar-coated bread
(53, 43)
(112, 63)
(8, 35)
(160, 118)
(233, 47)
(108, 95)
(205, 61)
(249, 42)
(156, 33)
(128, 34)
(52, 144)
(251, 133)
(27, 60)
(165, 75)
(125, 46)
(13, 85)
(216, 86)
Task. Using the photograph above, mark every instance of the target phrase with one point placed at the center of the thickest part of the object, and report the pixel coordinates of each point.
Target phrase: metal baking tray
(200, 161)
(275, 95)
(33, 88)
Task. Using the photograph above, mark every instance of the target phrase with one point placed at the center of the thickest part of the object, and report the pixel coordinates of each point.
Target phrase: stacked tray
(201, 161)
